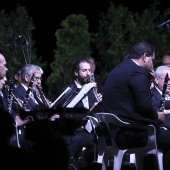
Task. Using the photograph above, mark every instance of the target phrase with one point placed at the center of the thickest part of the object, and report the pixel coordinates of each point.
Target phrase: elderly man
(3, 68)
(157, 91)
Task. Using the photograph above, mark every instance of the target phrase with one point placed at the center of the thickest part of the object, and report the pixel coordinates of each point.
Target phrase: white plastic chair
(117, 154)
(101, 145)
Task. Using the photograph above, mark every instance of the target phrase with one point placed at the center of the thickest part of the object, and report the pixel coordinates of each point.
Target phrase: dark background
(47, 16)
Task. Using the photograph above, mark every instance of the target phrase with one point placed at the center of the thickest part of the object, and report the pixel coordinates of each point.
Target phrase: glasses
(162, 78)
(38, 78)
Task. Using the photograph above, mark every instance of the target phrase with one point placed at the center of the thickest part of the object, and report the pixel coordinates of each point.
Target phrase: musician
(3, 68)
(40, 96)
(31, 75)
(160, 74)
(94, 76)
(127, 94)
(17, 78)
(77, 136)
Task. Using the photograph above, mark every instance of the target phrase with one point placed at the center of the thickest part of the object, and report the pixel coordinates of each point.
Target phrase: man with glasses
(31, 76)
(160, 74)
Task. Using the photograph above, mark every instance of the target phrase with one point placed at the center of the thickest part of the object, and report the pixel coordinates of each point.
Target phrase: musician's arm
(73, 116)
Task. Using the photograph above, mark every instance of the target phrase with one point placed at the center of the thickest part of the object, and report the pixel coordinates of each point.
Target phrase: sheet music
(62, 94)
(85, 89)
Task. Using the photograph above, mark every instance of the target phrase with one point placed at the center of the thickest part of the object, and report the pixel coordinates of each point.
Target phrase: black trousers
(77, 141)
(163, 143)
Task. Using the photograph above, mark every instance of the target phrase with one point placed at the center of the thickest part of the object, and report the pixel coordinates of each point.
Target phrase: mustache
(88, 79)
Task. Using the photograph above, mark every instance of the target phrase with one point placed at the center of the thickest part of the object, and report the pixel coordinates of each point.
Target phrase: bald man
(3, 68)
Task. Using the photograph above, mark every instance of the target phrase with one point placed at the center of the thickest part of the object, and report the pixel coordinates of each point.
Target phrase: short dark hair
(76, 63)
(140, 48)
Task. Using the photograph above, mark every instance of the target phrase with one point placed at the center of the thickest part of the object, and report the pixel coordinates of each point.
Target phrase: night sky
(47, 16)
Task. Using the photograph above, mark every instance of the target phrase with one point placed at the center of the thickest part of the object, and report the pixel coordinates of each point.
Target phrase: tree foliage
(119, 29)
(18, 50)
(73, 40)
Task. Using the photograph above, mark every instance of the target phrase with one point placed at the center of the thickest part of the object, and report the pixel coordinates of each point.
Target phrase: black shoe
(81, 162)
(72, 165)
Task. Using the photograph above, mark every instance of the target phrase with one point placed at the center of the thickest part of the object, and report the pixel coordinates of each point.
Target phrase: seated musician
(31, 76)
(158, 90)
(77, 136)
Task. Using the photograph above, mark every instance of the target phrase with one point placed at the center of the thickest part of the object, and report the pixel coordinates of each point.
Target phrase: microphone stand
(22, 41)
(165, 25)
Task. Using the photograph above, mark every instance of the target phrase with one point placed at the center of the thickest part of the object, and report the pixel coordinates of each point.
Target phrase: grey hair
(29, 69)
(160, 71)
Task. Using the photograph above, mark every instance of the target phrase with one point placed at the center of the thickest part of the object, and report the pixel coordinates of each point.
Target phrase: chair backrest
(101, 139)
(149, 148)
(109, 118)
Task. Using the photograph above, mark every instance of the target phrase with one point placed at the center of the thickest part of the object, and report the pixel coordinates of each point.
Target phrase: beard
(84, 80)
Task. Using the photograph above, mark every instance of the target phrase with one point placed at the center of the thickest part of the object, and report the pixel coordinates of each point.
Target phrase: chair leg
(117, 163)
(105, 160)
(139, 161)
(159, 159)
(100, 157)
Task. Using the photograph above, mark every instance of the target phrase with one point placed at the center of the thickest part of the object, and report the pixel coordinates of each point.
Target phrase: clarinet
(10, 96)
(94, 89)
(27, 95)
(44, 99)
(162, 103)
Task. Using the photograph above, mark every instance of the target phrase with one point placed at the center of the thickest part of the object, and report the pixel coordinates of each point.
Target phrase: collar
(135, 62)
(158, 90)
(25, 87)
(78, 85)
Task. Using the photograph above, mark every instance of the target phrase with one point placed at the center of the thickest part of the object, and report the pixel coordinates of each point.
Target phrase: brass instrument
(44, 99)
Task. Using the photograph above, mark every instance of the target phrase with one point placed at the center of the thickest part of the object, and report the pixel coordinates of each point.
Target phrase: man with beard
(76, 135)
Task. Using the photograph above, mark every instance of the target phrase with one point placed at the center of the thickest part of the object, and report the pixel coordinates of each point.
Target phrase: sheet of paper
(85, 89)
(54, 103)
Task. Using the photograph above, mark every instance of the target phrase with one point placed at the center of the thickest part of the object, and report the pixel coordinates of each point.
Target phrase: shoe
(72, 165)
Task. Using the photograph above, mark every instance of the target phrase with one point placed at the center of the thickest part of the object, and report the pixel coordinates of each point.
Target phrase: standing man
(127, 94)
